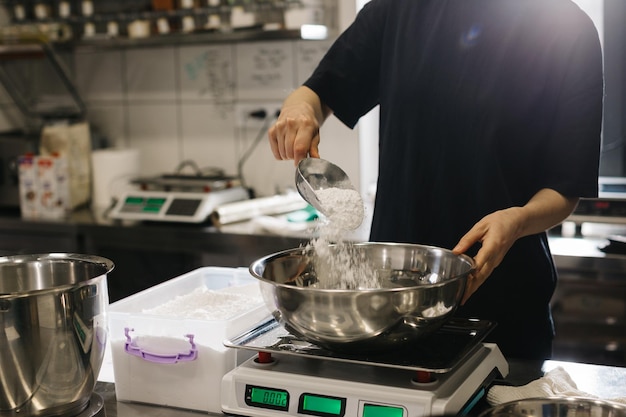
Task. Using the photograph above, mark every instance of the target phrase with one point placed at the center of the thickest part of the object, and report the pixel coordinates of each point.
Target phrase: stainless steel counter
(585, 254)
(602, 381)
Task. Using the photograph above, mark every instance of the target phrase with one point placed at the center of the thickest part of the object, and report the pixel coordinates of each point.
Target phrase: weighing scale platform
(440, 352)
(297, 378)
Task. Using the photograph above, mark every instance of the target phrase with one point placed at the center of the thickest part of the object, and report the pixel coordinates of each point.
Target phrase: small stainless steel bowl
(420, 288)
(555, 407)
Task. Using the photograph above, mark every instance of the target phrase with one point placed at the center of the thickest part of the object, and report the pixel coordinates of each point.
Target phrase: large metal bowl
(554, 407)
(420, 288)
(53, 332)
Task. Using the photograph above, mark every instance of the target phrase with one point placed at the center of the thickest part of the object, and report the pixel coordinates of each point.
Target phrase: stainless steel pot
(420, 288)
(552, 407)
(54, 332)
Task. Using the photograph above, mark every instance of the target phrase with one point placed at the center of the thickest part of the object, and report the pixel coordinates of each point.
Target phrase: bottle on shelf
(87, 8)
(41, 10)
(64, 9)
(162, 5)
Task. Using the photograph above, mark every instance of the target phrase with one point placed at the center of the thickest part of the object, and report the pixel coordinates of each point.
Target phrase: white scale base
(337, 389)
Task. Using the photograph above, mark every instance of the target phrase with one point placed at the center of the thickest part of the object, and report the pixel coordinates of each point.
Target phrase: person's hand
(496, 232)
(296, 133)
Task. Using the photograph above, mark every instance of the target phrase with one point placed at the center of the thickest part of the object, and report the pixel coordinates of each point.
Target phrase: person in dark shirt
(490, 119)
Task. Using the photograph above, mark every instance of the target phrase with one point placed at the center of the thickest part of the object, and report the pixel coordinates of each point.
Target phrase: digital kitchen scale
(172, 206)
(608, 207)
(179, 197)
(446, 373)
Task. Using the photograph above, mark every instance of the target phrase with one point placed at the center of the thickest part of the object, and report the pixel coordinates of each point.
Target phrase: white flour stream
(341, 266)
(343, 207)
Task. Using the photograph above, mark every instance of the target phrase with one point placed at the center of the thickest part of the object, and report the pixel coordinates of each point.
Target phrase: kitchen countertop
(601, 381)
(188, 235)
(574, 252)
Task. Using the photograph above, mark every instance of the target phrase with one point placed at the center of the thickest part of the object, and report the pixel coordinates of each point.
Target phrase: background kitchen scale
(445, 374)
(178, 197)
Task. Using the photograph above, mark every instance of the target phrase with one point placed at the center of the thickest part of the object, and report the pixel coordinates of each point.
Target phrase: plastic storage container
(179, 362)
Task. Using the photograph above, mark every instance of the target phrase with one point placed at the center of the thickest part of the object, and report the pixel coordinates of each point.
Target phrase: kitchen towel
(555, 383)
(112, 171)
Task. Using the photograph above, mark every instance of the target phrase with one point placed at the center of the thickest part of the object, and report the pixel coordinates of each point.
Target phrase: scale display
(275, 399)
(321, 405)
(376, 410)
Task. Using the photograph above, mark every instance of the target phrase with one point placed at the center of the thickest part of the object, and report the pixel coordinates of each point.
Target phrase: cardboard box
(27, 173)
(179, 362)
(44, 187)
(53, 187)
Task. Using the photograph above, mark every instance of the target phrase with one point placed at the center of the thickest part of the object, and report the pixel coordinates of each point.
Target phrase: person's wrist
(519, 220)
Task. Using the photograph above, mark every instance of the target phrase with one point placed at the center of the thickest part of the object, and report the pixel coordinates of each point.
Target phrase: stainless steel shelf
(71, 29)
(202, 37)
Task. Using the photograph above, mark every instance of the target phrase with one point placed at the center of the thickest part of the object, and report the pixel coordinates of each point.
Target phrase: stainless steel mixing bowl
(553, 407)
(420, 288)
(54, 332)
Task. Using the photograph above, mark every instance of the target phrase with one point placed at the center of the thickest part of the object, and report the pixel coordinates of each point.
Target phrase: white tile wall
(180, 102)
(99, 76)
(154, 130)
(207, 73)
(265, 70)
(207, 135)
(110, 119)
(308, 54)
(150, 74)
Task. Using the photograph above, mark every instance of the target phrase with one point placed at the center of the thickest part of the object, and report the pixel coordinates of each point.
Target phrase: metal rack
(70, 22)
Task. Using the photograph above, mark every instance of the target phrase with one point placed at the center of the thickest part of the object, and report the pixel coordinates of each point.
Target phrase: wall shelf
(200, 37)
(257, 20)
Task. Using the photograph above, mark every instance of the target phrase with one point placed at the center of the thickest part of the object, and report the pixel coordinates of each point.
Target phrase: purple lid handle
(132, 349)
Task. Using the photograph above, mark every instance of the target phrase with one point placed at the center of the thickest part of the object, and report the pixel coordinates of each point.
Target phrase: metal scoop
(315, 174)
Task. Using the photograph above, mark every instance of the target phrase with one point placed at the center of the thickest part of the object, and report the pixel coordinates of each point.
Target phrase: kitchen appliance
(444, 374)
(602, 218)
(54, 333)
(609, 207)
(178, 197)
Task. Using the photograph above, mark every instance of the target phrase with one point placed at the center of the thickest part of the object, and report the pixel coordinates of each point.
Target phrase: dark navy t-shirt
(482, 104)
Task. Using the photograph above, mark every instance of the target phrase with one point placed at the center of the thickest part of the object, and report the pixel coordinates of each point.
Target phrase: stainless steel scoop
(315, 174)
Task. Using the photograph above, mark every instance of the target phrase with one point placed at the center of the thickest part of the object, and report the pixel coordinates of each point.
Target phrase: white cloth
(555, 383)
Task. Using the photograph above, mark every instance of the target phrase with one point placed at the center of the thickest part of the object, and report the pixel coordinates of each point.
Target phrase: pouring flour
(343, 207)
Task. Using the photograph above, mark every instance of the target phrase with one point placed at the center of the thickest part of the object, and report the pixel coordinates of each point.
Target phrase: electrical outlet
(244, 113)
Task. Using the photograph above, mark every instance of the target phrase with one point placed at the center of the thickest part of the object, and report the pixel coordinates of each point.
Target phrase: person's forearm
(543, 211)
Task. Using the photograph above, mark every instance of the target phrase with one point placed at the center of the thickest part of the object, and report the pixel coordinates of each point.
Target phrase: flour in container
(205, 304)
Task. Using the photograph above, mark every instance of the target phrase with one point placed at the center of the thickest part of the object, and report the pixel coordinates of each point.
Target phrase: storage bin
(173, 361)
